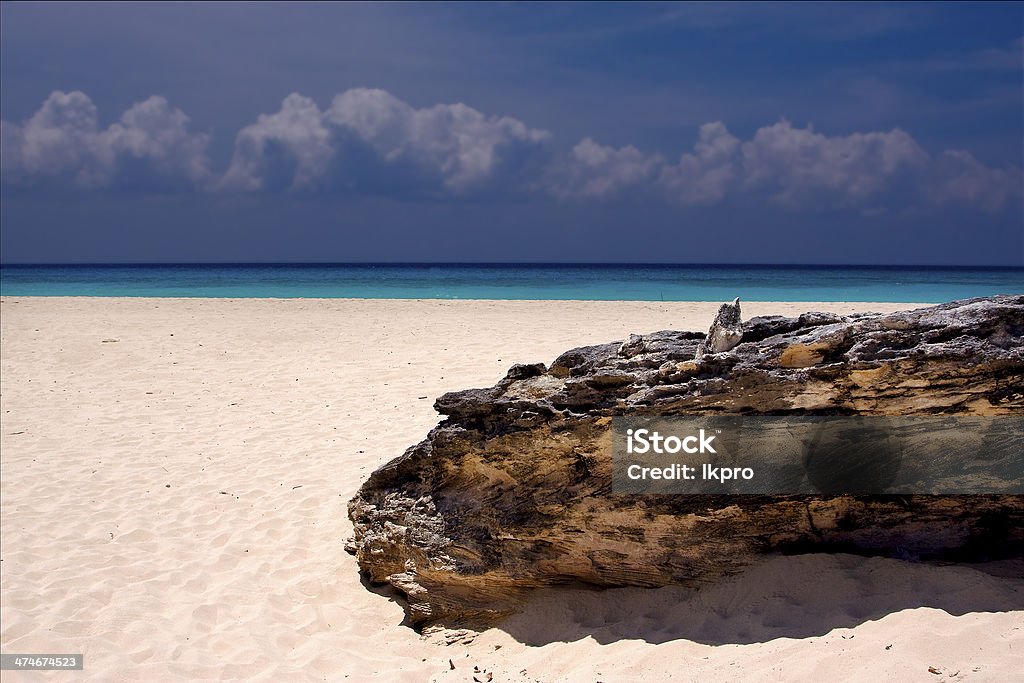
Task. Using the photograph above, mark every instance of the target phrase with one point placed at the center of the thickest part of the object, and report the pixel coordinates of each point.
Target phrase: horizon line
(501, 264)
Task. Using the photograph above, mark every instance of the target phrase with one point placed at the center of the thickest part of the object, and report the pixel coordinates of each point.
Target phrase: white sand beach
(175, 474)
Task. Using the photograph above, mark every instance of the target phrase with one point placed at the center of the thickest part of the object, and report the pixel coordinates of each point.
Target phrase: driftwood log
(512, 491)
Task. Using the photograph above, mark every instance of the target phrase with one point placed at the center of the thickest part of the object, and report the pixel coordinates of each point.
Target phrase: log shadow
(390, 592)
(781, 597)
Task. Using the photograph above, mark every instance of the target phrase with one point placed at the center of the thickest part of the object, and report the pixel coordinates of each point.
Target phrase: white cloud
(63, 141)
(292, 146)
(458, 146)
(795, 164)
(369, 140)
(792, 165)
(705, 176)
(594, 170)
(961, 179)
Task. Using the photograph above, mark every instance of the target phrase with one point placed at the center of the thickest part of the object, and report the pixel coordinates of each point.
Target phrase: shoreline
(84, 297)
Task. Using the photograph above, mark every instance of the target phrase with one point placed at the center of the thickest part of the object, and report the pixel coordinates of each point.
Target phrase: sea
(592, 282)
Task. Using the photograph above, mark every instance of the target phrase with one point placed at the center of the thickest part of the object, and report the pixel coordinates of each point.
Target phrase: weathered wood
(513, 490)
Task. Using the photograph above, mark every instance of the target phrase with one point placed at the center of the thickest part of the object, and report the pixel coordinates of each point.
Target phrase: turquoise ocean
(515, 281)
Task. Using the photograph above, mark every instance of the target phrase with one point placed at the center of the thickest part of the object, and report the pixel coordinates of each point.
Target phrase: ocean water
(527, 281)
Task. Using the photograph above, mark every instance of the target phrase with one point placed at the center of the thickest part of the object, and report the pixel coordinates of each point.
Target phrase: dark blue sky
(787, 133)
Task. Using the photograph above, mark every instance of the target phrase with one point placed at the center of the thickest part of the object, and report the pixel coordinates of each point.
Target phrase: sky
(633, 133)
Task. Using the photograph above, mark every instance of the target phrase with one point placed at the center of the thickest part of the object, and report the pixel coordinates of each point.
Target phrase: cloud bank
(150, 146)
(369, 141)
(367, 134)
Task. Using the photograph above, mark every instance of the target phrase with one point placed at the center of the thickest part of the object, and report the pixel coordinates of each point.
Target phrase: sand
(175, 474)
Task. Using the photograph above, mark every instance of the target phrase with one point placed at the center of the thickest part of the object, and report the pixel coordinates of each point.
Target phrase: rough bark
(725, 332)
(512, 491)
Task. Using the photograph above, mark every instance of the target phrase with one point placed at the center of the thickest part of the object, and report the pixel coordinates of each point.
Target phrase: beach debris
(451, 637)
(512, 491)
(725, 332)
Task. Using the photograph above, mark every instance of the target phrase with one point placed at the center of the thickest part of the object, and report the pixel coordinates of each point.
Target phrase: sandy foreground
(175, 474)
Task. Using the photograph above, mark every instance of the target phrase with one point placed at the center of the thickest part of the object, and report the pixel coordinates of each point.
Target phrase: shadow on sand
(782, 597)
